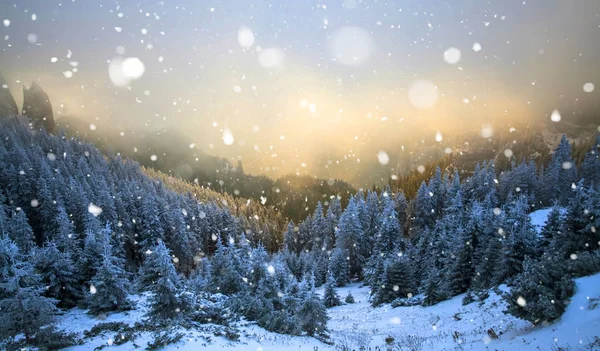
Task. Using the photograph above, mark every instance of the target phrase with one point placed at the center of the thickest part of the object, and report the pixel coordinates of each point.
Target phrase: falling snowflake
(245, 37)
(423, 94)
(452, 56)
(94, 210)
(555, 116)
(228, 137)
(383, 157)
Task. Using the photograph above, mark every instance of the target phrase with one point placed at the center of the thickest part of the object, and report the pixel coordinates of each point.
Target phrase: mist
(306, 89)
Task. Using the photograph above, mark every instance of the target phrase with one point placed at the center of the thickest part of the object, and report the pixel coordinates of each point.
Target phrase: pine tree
(318, 228)
(312, 315)
(423, 212)
(433, 288)
(519, 241)
(338, 266)
(349, 298)
(290, 238)
(109, 286)
(590, 167)
(389, 243)
(57, 272)
(332, 217)
(437, 188)
(20, 231)
(65, 238)
(24, 308)
(553, 227)
(330, 297)
(397, 280)
(560, 174)
(158, 276)
(541, 292)
(348, 239)
(320, 259)
(150, 223)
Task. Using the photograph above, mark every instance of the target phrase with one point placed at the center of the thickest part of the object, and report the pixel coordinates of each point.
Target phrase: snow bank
(447, 325)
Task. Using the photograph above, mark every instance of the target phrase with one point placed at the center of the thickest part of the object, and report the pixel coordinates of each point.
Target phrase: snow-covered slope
(539, 218)
(445, 326)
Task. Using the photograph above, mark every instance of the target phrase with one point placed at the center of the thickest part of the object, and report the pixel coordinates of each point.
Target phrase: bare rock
(8, 106)
(37, 106)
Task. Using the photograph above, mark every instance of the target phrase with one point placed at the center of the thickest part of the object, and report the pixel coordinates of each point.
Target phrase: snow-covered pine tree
(553, 227)
(65, 238)
(151, 226)
(437, 188)
(541, 292)
(348, 240)
(24, 308)
(465, 242)
(227, 274)
(312, 315)
(109, 287)
(369, 213)
(560, 174)
(338, 266)
(320, 263)
(332, 217)
(423, 212)
(168, 300)
(519, 239)
(57, 272)
(290, 238)
(349, 298)
(389, 243)
(20, 231)
(397, 280)
(433, 287)
(318, 228)
(590, 167)
(330, 297)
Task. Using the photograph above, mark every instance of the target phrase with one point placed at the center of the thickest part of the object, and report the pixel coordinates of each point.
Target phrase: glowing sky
(300, 84)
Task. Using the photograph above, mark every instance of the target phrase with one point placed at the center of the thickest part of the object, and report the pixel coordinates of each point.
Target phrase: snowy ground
(446, 326)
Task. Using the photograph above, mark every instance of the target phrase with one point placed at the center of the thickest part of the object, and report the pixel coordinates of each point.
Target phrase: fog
(301, 87)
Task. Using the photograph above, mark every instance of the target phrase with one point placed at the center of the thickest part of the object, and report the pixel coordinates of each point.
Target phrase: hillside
(294, 195)
(448, 325)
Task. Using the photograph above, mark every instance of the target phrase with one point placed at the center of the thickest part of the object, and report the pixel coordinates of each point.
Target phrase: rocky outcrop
(37, 106)
(8, 106)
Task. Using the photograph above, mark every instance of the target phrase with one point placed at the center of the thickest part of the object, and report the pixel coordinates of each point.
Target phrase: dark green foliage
(330, 297)
(282, 322)
(164, 338)
(349, 298)
(397, 281)
(24, 308)
(541, 293)
(348, 239)
(433, 289)
(57, 271)
(338, 266)
(109, 287)
(312, 315)
(585, 263)
(50, 338)
(101, 328)
(169, 299)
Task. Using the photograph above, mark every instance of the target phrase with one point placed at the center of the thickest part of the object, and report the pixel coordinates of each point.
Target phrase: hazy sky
(300, 84)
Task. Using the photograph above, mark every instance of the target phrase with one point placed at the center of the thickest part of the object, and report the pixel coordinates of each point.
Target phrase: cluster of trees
(77, 227)
(460, 236)
(292, 195)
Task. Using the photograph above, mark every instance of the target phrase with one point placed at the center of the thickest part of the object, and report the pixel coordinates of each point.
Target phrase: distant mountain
(172, 153)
